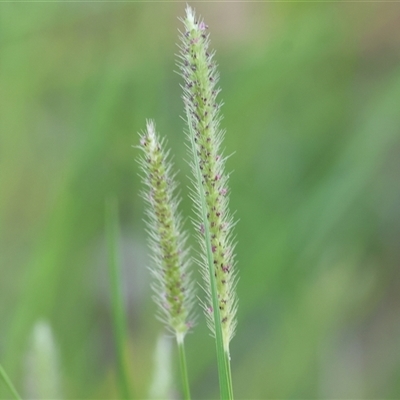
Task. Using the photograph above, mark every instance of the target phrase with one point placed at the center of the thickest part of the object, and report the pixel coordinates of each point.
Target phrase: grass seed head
(173, 289)
(199, 72)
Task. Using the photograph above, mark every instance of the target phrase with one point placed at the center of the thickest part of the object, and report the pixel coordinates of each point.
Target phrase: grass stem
(229, 375)
(183, 367)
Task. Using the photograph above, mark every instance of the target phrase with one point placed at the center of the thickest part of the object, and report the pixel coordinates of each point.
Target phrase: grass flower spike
(200, 96)
(174, 291)
(215, 223)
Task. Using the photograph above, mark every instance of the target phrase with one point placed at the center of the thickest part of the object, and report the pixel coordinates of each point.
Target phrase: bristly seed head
(174, 289)
(200, 92)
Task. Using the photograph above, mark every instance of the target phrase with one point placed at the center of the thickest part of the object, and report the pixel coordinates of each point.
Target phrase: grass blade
(118, 312)
(6, 380)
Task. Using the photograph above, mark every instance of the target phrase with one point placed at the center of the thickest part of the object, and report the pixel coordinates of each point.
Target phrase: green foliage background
(312, 95)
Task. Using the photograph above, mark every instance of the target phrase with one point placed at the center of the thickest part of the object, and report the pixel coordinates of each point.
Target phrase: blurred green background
(312, 96)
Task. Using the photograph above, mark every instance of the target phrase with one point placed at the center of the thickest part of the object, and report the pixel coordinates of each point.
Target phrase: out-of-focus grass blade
(43, 378)
(162, 381)
(6, 380)
(118, 312)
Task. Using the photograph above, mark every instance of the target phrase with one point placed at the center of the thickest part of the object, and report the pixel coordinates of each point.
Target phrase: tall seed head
(200, 91)
(173, 289)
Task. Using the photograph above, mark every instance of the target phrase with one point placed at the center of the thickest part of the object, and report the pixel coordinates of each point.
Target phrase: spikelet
(173, 289)
(198, 70)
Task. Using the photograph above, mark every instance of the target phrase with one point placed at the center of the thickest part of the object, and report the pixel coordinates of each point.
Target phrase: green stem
(118, 314)
(183, 367)
(229, 375)
(225, 384)
(9, 384)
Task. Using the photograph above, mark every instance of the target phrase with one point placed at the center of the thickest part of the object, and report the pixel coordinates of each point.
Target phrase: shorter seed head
(173, 288)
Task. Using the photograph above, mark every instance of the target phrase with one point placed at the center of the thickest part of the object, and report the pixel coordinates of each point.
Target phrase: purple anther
(225, 268)
(203, 26)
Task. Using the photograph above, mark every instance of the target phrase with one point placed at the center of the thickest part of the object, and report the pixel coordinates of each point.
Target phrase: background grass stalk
(118, 311)
(8, 383)
(223, 358)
